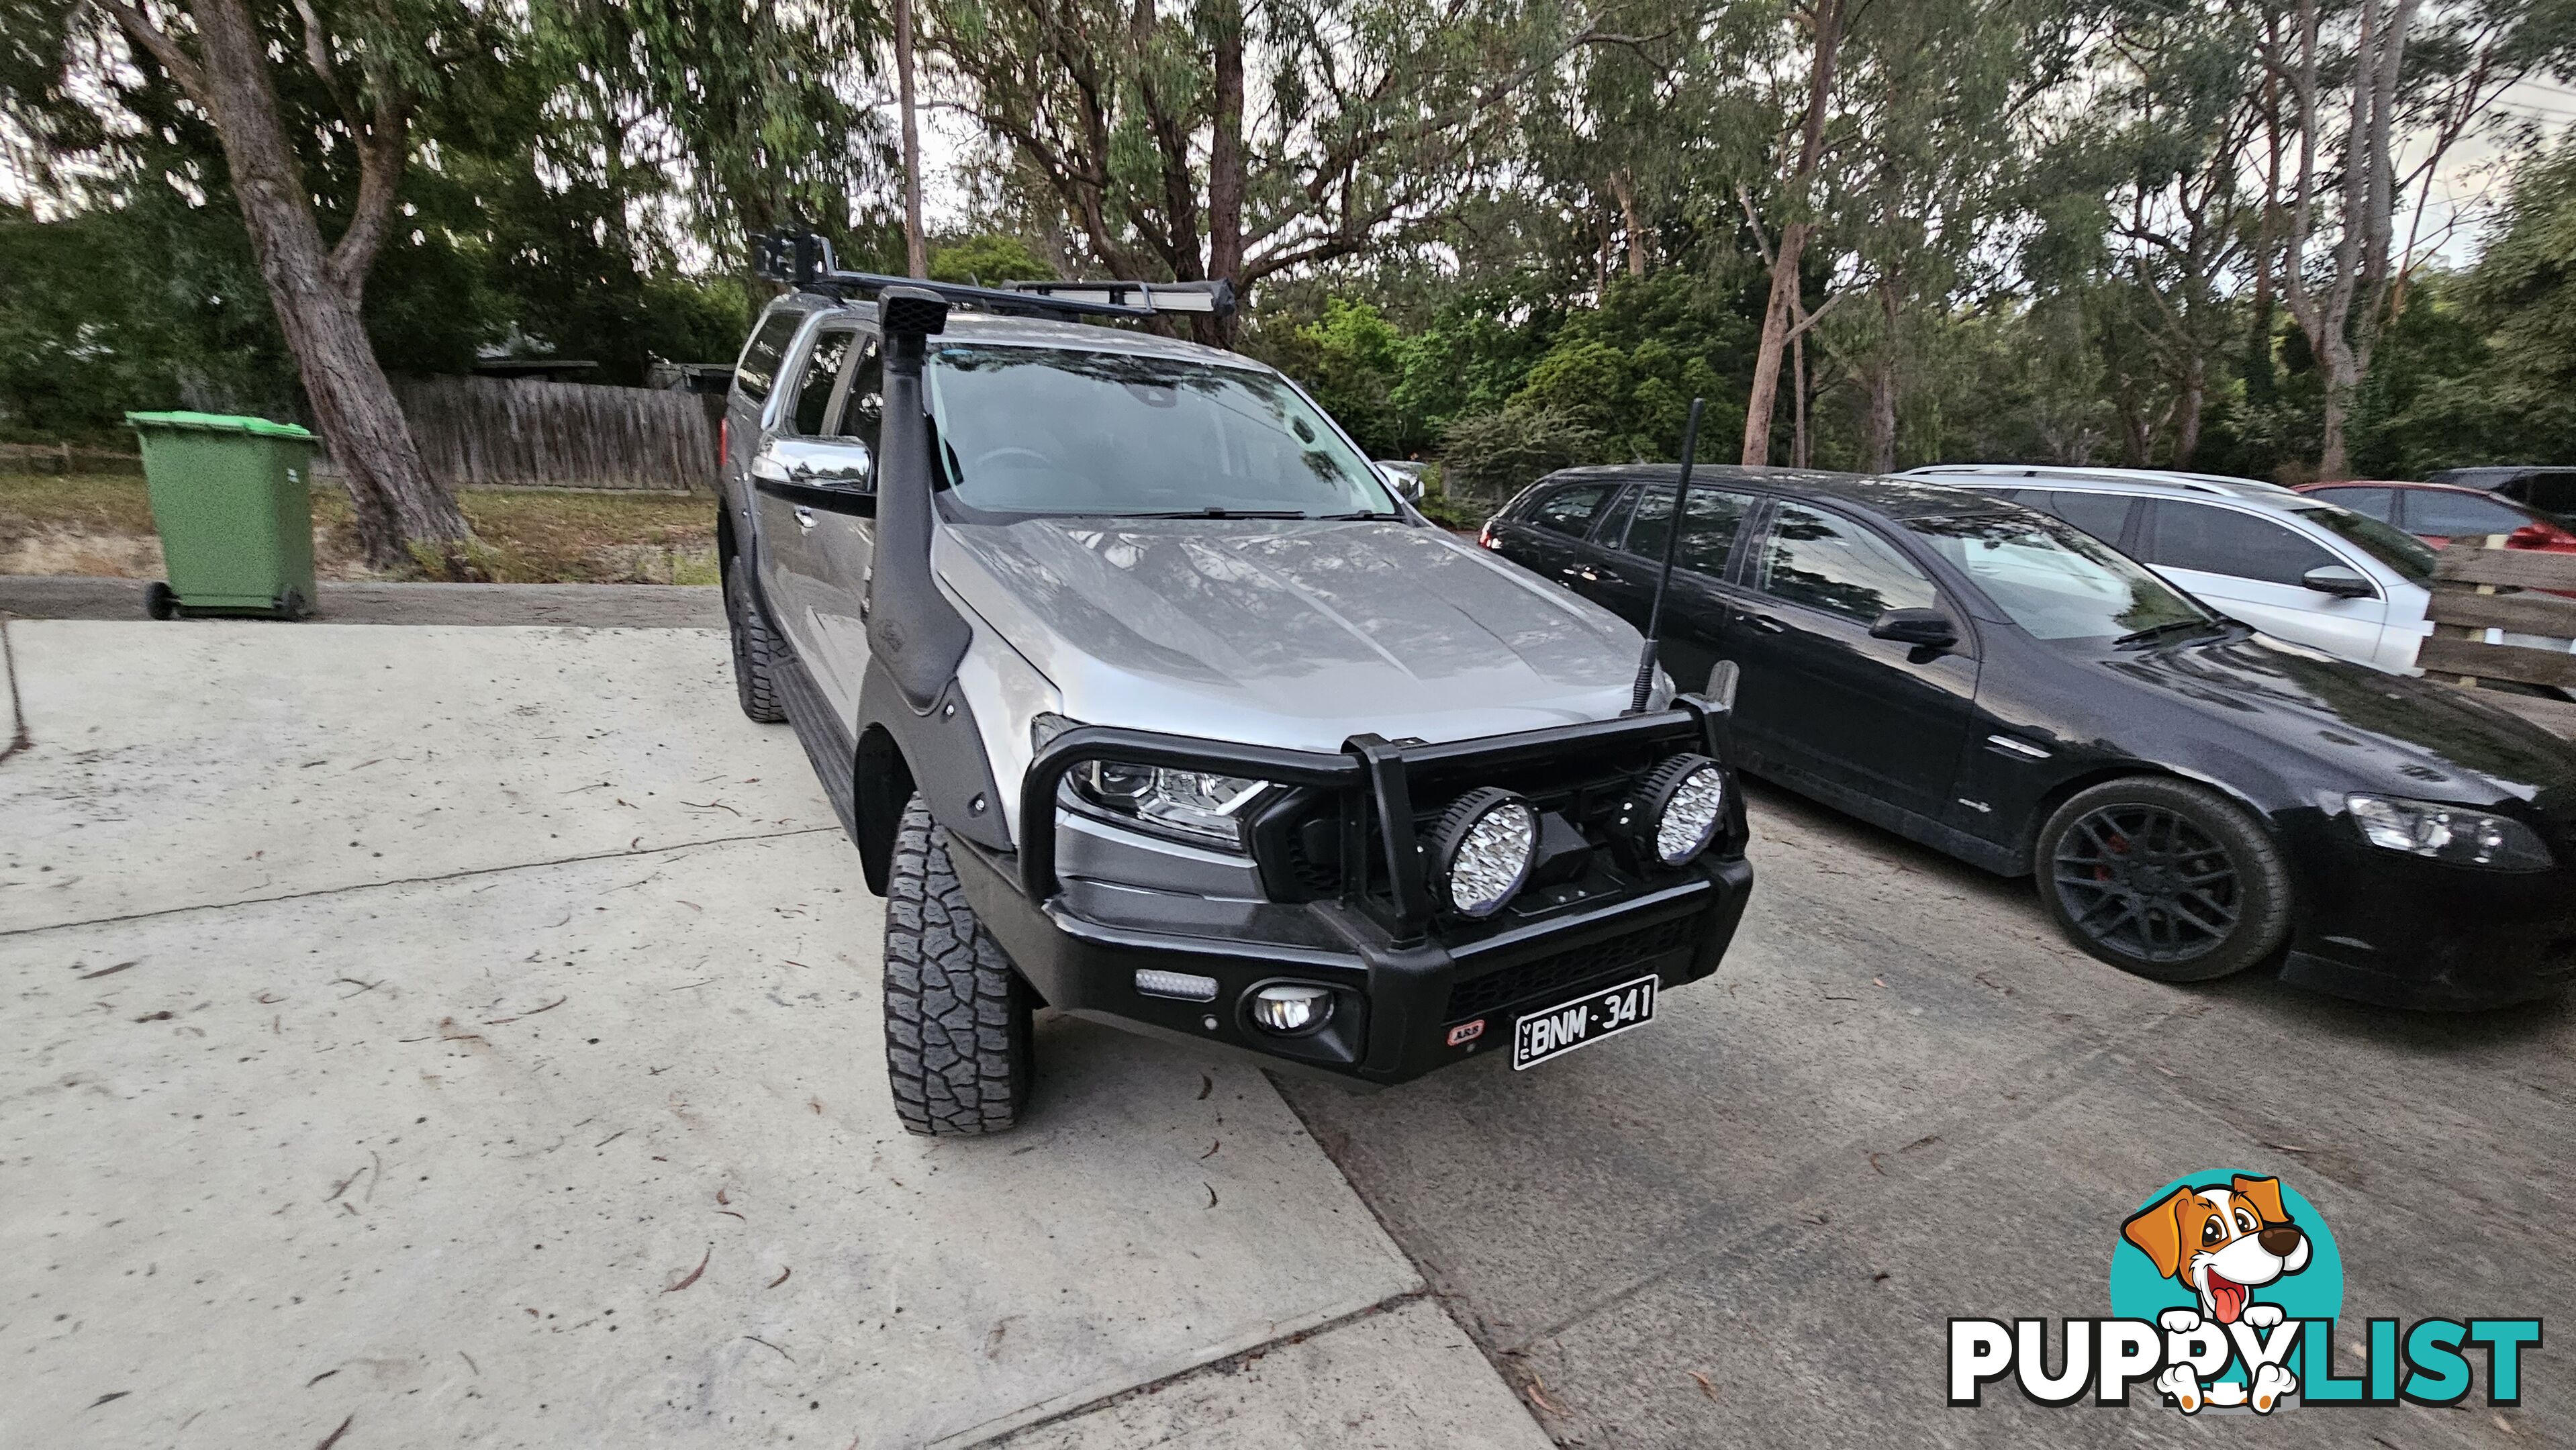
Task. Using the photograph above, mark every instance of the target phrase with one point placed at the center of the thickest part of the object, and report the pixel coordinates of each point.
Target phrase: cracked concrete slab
(1354, 1386)
(531, 1132)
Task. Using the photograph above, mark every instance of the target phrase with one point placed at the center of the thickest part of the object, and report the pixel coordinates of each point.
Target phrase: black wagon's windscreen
(1063, 431)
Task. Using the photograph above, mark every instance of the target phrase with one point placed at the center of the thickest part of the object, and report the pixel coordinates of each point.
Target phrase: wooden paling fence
(522, 432)
(64, 458)
(2469, 598)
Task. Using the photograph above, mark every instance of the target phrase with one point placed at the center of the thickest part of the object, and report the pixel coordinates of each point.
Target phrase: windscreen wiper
(1362, 514)
(2158, 631)
(1220, 513)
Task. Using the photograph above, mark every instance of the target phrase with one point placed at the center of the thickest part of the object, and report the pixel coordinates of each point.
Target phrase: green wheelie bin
(230, 498)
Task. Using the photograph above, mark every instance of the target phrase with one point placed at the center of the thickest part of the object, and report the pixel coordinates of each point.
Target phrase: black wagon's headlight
(1677, 809)
(1194, 804)
(1481, 851)
(2447, 833)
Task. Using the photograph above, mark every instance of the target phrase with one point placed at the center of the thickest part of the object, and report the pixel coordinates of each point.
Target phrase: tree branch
(164, 50)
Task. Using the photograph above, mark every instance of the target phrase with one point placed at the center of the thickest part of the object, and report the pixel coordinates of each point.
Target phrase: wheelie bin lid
(218, 423)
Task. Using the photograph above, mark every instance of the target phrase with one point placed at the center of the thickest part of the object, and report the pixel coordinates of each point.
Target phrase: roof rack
(804, 259)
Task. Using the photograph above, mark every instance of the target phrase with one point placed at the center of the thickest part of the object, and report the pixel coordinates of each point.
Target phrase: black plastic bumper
(2402, 931)
(1411, 992)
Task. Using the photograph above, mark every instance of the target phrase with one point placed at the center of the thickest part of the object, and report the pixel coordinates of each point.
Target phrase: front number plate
(1560, 1029)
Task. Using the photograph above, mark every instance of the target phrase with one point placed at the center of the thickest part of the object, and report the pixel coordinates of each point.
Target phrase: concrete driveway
(1903, 1099)
(470, 1036)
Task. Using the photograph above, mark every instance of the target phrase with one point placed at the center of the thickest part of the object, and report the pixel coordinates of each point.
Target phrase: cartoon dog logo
(2222, 1243)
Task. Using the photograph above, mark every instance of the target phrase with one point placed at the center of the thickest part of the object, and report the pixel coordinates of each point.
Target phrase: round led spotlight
(1677, 809)
(1482, 849)
(1288, 1008)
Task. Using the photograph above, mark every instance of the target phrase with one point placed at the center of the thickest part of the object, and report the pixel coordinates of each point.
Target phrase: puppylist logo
(2225, 1290)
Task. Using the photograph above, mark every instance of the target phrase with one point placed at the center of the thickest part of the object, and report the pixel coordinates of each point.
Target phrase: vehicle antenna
(1664, 578)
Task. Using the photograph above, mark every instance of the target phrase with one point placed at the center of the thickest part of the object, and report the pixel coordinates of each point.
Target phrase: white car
(2293, 566)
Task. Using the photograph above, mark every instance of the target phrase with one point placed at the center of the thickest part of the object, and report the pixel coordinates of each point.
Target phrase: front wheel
(2163, 878)
(755, 650)
(959, 1045)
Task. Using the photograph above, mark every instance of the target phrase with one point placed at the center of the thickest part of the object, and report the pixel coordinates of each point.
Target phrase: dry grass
(101, 524)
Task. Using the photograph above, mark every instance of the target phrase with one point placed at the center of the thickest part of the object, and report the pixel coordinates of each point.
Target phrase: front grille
(1479, 995)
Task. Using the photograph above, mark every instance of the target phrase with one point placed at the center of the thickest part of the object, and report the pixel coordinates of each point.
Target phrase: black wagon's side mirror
(2341, 581)
(1921, 628)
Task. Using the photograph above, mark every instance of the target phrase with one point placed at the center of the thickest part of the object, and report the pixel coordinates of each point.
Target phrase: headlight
(2447, 833)
(1195, 804)
(1676, 811)
(1481, 850)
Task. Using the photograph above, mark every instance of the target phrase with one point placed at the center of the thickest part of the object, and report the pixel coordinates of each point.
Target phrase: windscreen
(2055, 581)
(2394, 547)
(1026, 430)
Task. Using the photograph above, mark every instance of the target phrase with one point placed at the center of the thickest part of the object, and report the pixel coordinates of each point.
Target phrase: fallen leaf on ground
(781, 1279)
(693, 1273)
(1705, 1387)
(765, 1344)
(1211, 1188)
(1538, 1393)
(107, 971)
(1207, 1085)
(334, 1437)
(110, 1395)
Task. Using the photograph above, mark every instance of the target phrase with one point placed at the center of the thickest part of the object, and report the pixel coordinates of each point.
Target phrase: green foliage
(987, 260)
(1491, 456)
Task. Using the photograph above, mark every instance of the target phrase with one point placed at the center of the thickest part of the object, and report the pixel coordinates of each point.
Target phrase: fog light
(1181, 985)
(1291, 1008)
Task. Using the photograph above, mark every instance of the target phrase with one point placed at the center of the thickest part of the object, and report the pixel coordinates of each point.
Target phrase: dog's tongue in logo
(2226, 1297)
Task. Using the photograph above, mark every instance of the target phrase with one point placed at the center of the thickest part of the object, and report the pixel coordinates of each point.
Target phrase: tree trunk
(1800, 454)
(1765, 395)
(1626, 191)
(2190, 395)
(1878, 430)
(1225, 161)
(316, 290)
(916, 251)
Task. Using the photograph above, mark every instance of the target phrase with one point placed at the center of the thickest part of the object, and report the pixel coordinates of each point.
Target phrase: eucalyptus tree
(242, 66)
(1240, 139)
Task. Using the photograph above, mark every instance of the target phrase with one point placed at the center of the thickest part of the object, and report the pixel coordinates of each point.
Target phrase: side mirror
(841, 465)
(2339, 581)
(1922, 628)
(1723, 677)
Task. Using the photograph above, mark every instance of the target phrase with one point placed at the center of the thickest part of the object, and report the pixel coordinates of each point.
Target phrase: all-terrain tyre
(2164, 878)
(755, 649)
(959, 1048)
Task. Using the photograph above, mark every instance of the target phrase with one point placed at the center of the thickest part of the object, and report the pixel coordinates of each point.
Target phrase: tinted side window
(1707, 535)
(822, 374)
(2551, 493)
(863, 407)
(2103, 515)
(1570, 510)
(2222, 541)
(2376, 503)
(1835, 565)
(2449, 515)
(758, 369)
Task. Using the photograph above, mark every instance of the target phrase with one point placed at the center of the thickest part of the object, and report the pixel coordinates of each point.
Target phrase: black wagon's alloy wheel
(2163, 878)
(754, 648)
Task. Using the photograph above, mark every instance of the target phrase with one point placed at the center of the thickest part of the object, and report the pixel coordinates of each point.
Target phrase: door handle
(804, 517)
(1765, 621)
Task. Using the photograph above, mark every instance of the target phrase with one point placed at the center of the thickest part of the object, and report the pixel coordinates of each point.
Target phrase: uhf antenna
(1664, 580)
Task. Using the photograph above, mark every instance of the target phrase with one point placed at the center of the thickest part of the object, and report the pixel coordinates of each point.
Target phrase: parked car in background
(2440, 512)
(2550, 489)
(2294, 567)
(1988, 680)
